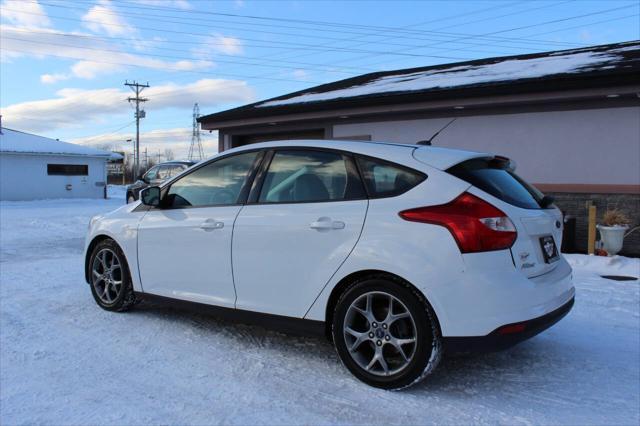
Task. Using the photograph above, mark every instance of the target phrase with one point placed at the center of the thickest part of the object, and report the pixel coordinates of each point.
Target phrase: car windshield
(495, 176)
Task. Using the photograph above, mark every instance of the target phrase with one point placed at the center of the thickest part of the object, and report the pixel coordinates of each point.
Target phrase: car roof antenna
(427, 142)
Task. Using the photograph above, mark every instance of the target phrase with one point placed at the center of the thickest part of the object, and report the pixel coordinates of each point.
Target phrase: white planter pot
(612, 237)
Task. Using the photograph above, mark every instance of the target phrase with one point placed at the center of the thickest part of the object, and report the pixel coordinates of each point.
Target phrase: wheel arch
(342, 285)
(96, 240)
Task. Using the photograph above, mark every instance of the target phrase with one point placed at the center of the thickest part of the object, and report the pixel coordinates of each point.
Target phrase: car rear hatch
(538, 223)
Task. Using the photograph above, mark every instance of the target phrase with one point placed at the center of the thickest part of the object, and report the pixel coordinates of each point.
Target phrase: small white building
(34, 167)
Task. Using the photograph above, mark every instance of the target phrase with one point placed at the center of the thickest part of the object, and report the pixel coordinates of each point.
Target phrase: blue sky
(64, 63)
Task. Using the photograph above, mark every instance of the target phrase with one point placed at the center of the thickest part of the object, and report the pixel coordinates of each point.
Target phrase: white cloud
(78, 107)
(176, 139)
(25, 13)
(180, 4)
(217, 43)
(102, 18)
(228, 45)
(53, 78)
(95, 56)
(300, 75)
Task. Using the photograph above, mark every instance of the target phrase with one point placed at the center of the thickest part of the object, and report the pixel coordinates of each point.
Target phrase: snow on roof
(21, 142)
(567, 62)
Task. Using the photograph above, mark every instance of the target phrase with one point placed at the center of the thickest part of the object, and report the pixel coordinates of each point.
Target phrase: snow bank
(601, 265)
(507, 70)
(117, 191)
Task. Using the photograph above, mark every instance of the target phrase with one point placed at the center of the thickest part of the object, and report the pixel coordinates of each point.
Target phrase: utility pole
(158, 156)
(146, 159)
(137, 89)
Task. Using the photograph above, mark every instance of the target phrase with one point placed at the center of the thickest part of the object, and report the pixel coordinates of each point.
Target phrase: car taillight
(475, 224)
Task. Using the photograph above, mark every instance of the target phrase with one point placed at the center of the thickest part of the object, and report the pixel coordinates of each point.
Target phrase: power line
(380, 53)
(517, 29)
(101, 38)
(150, 17)
(378, 29)
(446, 27)
(288, 80)
(153, 55)
(104, 135)
(619, 18)
(301, 21)
(300, 46)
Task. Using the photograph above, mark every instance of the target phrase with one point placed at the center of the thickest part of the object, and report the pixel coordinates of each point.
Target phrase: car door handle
(325, 224)
(210, 225)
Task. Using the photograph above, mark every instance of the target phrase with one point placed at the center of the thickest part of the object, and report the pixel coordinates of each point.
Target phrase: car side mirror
(150, 196)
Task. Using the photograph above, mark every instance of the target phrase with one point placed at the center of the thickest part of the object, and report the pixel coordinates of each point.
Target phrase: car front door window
(215, 184)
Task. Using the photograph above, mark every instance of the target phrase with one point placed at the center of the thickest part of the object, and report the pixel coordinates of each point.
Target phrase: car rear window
(495, 176)
(384, 179)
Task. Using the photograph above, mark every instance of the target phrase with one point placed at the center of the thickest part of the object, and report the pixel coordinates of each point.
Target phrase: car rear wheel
(385, 333)
(130, 199)
(110, 279)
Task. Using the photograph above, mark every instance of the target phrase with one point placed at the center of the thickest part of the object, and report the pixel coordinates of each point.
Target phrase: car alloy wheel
(380, 333)
(385, 332)
(106, 273)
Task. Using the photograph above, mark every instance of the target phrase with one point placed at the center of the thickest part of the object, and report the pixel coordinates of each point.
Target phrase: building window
(68, 169)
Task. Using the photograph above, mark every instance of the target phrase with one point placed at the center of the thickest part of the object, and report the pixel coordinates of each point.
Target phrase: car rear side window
(164, 172)
(495, 176)
(310, 176)
(384, 179)
(175, 170)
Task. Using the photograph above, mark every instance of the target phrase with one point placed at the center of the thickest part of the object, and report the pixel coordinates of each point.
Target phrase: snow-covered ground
(63, 360)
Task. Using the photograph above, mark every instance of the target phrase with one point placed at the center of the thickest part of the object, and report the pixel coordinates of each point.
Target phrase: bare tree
(168, 154)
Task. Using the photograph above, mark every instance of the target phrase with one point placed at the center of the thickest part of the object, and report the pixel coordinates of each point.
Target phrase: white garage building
(34, 167)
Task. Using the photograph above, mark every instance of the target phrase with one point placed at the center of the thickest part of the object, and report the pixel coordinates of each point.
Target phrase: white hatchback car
(396, 252)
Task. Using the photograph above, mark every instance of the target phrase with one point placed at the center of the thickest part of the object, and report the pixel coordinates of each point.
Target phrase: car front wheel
(130, 199)
(110, 279)
(385, 333)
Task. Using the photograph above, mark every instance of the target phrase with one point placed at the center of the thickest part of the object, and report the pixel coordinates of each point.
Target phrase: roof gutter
(431, 106)
(56, 154)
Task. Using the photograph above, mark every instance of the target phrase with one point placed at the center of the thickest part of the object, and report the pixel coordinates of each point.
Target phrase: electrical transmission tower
(196, 153)
(137, 89)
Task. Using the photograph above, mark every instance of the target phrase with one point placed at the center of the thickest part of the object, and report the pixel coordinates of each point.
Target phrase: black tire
(125, 298)
(130, 198)
(428, 348)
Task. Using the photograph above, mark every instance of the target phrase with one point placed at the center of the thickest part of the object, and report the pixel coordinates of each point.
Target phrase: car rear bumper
(507, 335)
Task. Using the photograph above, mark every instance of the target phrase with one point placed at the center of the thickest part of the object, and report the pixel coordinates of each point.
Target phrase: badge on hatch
(549, 249)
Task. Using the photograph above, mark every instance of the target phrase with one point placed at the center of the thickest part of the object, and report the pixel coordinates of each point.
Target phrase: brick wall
(574, 204)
